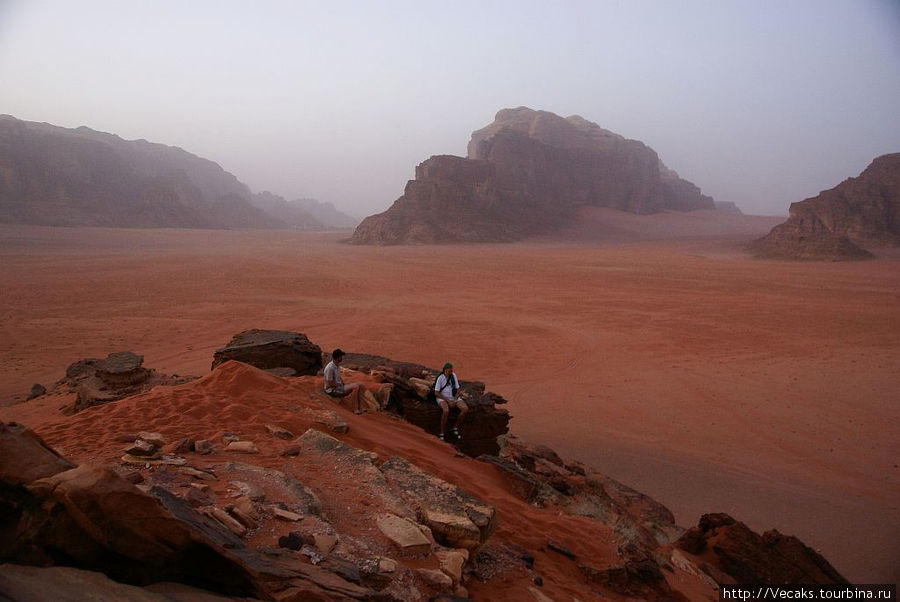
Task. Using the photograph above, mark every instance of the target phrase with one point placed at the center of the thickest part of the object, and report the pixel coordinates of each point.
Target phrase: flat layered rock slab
(404, 533)
(342, 472)
(328, 419)
(457, 518)
(276, 486)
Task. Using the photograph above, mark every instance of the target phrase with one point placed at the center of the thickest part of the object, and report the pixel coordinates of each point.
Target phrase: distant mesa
(528, 173)
(56, 176)
(841, 223)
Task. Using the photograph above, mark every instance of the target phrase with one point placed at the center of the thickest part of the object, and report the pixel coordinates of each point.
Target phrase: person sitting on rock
(335, 387)
(446, 392)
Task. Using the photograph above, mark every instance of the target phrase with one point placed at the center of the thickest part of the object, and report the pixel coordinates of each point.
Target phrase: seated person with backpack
(446, 390)
(335, 387)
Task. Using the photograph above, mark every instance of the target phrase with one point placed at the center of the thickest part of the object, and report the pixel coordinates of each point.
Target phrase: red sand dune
(707, 380)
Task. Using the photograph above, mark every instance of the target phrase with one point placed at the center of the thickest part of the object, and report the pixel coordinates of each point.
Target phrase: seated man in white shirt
(335, 387)
(446, 392)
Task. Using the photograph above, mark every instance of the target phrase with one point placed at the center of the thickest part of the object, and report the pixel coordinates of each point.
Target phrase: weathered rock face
(80, 177)
(527, 173)
(750, 558)
(837, 225)
(484, 422)
(456, 518)
(578, 161)
(25, 583)
(271, 350)
(17, 443)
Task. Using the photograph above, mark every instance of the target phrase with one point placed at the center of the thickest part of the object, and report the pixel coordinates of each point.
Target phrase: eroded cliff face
(80, 177)
(839, 223)
(527, 173)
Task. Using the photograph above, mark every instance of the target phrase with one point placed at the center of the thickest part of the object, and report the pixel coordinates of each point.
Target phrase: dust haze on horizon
(761, 104)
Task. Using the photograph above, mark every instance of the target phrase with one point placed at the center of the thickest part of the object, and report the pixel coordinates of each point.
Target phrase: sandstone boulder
(267, 349)
(404, 533)
(25, 457)
(242, 447)
(37, 389)
(278, 431)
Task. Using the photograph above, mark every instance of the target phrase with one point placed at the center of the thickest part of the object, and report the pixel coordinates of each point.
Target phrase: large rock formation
(838, 223)
(80, 177)
(527, 173)
(272, 350)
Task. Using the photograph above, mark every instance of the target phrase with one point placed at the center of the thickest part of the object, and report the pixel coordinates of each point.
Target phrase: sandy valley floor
(710, 381)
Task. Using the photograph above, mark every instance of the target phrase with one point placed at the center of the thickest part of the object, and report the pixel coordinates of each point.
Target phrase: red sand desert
(708, 380)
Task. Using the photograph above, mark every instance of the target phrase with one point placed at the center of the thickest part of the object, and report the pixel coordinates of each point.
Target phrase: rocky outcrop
(377, 512)
(457, 519)
(748, 557)
(642, 526)
(80, 177)
(840, 223)
(291, 353)
(25, 457)
(484, 423)
(120, 375)
(528, 173)
(92, 518)
(272, 350)
(722, 549)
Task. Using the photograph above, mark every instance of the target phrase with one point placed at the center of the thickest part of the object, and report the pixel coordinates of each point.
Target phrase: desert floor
(708, 380)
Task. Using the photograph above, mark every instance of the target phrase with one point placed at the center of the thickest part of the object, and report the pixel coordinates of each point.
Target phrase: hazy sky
(762, 102)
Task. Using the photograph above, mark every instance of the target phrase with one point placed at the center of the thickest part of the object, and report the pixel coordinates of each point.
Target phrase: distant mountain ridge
(305, 214)
(327, 213)
(840, 222)
(527, 173)
(57, 176)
